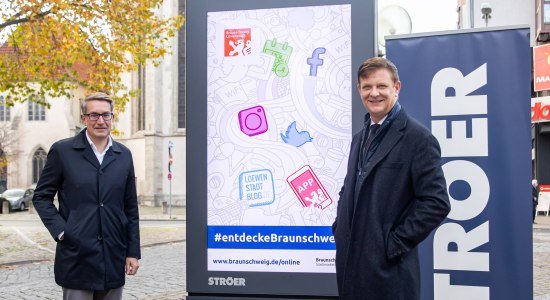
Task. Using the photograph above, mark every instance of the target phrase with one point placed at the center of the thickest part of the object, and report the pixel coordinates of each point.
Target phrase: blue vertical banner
(472, 89)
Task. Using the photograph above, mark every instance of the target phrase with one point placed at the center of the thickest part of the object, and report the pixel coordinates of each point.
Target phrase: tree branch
(22, 20)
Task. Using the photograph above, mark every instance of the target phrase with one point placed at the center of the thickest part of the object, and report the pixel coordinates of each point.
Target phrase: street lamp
(486, 11)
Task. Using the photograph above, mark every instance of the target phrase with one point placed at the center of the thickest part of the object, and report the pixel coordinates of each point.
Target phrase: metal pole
(170, 200)
(471, 13)
(170, 146)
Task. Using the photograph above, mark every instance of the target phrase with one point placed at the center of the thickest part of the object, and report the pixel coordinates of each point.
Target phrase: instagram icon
(253, 121)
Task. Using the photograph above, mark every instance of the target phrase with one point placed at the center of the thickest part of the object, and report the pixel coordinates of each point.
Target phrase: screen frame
(363, 38)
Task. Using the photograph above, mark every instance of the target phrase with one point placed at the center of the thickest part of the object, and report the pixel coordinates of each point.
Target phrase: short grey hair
(99, 96)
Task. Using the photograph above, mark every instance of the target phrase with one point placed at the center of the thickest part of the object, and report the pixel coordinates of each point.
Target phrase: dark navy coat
(97, 211)
(403, 198)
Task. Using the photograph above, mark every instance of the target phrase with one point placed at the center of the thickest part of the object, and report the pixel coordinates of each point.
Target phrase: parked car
(18, 198)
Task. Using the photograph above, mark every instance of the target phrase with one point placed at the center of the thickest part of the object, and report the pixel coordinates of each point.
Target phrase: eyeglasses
(95, 116)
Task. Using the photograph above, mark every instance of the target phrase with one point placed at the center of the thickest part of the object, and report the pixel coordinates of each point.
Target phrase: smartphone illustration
(308, 188)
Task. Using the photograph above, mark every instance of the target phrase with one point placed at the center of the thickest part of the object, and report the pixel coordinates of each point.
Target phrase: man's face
(100, 129)
(378, 93)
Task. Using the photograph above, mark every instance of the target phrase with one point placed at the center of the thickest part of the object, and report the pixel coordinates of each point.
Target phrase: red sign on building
(540, 109)
(541, 64)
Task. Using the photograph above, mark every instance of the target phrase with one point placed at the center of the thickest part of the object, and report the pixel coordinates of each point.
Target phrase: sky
(428, 15)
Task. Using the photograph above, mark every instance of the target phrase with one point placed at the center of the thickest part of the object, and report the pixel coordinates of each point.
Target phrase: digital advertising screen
(279, 131)
(272, 104)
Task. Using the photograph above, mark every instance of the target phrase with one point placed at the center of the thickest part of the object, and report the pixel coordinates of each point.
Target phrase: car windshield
(14, 193)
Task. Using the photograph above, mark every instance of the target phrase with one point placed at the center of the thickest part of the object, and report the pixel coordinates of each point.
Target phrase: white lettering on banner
(467, 171)
(444, 290)
(459, 144)
(461, 257)
(461, 103)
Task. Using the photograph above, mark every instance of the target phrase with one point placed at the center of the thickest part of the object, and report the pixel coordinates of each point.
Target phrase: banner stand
(472, 89)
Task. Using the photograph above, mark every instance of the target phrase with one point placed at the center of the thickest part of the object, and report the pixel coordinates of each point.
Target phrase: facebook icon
(314, 61)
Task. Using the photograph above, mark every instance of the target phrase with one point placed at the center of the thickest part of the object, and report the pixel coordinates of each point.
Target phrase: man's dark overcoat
(403, 198)
(98, 213)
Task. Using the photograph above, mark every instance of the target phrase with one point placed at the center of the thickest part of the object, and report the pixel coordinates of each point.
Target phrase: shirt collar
(380, 122)
(109, 144)
(393, 113)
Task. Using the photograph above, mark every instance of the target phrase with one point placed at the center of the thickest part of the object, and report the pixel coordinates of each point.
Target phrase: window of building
(5, 110)
(37, 112)
(38, 162)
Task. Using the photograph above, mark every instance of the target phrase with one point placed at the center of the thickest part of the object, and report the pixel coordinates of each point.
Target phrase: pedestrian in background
(535, 198)
(97, 224)
(393, 196)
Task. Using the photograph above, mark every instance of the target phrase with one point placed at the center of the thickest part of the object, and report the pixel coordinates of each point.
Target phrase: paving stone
(161, 276)
(162, 267)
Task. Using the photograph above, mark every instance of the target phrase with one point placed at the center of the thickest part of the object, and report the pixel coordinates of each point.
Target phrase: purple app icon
(253, 121)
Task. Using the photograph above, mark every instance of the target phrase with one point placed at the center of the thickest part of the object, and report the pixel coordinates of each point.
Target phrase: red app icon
(308, 188)
(237, 42)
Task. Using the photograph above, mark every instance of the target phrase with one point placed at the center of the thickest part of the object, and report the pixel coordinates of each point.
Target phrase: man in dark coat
(97, 224)
(393, 196)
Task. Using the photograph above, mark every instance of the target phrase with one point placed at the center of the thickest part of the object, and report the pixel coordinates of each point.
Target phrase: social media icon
(253, 121)
(315, 60)
(294, 137)
(308, 188)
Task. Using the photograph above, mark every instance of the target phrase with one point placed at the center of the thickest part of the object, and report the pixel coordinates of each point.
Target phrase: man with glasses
(97, 224)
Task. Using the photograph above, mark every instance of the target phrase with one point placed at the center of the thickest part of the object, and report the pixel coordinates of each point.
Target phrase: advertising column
(272, 107)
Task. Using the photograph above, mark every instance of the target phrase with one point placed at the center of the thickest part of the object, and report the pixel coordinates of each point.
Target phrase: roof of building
(82, 69)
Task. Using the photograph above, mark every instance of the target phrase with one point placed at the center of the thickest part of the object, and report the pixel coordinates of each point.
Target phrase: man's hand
(132, 265)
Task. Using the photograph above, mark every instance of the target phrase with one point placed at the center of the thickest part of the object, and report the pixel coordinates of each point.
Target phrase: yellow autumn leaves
(62, 43)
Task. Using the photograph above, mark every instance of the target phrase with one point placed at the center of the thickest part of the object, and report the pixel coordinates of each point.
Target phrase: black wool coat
(402, 199)
(98, 213)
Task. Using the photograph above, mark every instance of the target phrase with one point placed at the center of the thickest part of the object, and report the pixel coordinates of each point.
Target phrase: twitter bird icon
(295, 138)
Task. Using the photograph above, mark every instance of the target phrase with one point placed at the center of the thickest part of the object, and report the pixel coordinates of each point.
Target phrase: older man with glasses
(97, 224)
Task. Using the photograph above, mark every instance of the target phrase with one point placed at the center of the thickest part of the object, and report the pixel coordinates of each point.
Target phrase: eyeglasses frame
(99, 115)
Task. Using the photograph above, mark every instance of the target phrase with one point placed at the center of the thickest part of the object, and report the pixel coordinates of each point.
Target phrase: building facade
(148, 125)
(155, 120)
(27, 131)
(541, 130)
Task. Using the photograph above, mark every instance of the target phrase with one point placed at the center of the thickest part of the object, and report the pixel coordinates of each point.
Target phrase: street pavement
(541, 258)
(27, 252)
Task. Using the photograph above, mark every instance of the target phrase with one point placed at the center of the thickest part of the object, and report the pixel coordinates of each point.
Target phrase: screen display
(279, 93)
